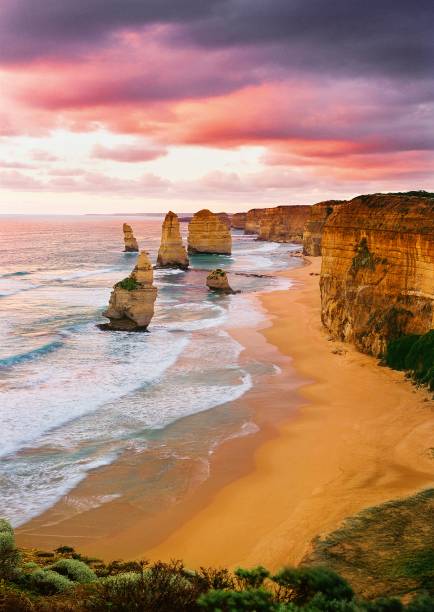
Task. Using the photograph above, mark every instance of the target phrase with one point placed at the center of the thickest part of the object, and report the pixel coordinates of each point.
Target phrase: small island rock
(217, 280)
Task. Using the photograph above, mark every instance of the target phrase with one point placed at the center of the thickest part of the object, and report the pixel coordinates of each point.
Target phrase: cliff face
(239, 220)
(172, 253)
(377, 276)
(131, 305)
(283, 223)
(312, 233)
(223, 216)
(207, 233)
(129, 240)
(253, 219)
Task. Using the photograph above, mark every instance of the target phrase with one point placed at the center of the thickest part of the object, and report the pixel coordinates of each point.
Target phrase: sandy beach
(338, 434)
(362, 436)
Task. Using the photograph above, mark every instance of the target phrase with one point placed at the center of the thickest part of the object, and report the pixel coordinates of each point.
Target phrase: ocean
(74, 398)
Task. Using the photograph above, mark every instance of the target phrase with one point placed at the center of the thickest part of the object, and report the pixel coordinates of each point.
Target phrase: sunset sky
(145, 105)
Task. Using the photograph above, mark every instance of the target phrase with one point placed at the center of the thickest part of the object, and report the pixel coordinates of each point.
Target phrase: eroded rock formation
(131, 305)
(172, 253)
(217, 280)
(253, 219)
(312, 233)
(130, 242)
(377, 276)
(238, 220)
(207, 233)
(223, 216)
(283, 223)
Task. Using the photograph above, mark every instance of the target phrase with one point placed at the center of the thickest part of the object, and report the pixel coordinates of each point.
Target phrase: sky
(145, 105)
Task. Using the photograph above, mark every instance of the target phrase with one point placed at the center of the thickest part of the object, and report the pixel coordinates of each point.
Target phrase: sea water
(74, 398)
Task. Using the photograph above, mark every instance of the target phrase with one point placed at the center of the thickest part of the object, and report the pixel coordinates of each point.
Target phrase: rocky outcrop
(223, 216)
(131, 305)
(312, 233)
(217, 280)
(172, 253)
(131, 244)
(283, 223)
(238, 220)
(207, 233)
(253, 219)
(377, 276)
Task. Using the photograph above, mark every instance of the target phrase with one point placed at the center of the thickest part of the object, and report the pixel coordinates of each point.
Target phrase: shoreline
(270, 494)
(362, 437)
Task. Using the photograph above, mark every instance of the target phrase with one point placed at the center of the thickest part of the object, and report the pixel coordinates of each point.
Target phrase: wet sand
(337, 434)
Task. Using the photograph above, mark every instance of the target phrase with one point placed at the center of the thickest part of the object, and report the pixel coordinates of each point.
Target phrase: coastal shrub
(415, 354)
(301, 584)
(160, 587)
(75, 570)
(258, 600)
(128, 283)
(48, 582)
(422, 603)
(64, 550)
(251, 578)
(9, 554)
(13, 600)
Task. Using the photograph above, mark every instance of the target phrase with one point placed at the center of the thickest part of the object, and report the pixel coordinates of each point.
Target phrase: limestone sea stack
(131, 245)
(377, 275)
(207, 233)
(217, 280)
(131, 305)
(172, 253)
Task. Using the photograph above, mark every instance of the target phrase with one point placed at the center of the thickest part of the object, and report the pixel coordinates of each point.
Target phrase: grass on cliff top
(421, 193)
(128, 283)
(385, 549)
(414, 354)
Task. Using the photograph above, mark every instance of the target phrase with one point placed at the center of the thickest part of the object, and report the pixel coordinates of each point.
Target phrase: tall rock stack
(207, 233)
(131, 245)
(377, 275)
(312, 233)
(283, 223)
(172, 253)
(131, 305)
(223, 216)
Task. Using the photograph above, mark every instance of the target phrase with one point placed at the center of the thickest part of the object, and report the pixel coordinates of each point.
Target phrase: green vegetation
(363, 257)
(385, 550)
(76, 583)
(218, 272)
(414, 354)
(128, 283)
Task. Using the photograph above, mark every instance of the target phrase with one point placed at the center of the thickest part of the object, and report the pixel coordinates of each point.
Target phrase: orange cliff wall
(377, 275)
(283, 223)
(238, 220)
(253, 219)
(312, 233)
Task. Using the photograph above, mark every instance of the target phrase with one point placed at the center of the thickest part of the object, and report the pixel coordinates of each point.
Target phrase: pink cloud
(129, 153)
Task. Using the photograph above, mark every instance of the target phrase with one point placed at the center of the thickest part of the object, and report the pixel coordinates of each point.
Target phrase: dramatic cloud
(331, 92)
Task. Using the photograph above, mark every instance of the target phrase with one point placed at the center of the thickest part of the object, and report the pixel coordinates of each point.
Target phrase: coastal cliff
(207, 233)
(172, 253)
(131, 245)
(377, 275)
(131, 305)
(283, 223)
(312, 233)
(253, 219)
(238, 220)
